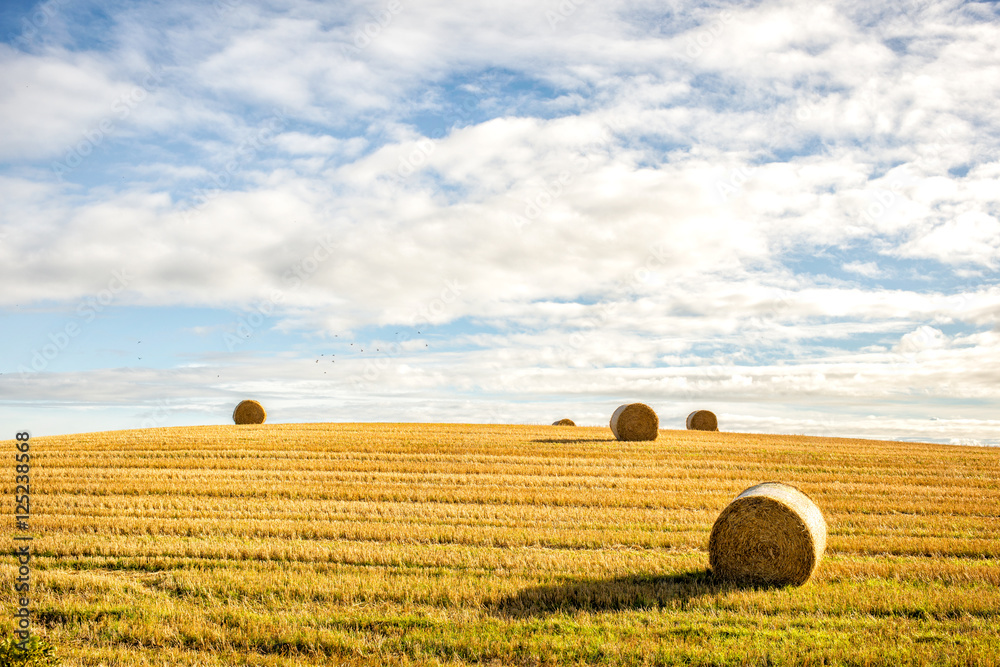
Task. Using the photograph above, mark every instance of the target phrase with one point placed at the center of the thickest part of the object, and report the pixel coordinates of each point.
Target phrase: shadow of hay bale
(572, 440)
(618, 594)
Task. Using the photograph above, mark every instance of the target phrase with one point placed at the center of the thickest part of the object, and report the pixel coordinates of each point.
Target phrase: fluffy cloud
(972, 237)
(51, 103)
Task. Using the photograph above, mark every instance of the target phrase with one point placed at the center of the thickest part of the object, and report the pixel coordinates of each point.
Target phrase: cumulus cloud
(972, 237)
(866, 269)
(54, 101)
(923, 338)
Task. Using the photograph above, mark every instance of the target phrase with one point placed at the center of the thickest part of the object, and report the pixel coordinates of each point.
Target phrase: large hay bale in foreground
(635, 421)
(564, 422)
(702, 420)
(771, 534)
(249, 412)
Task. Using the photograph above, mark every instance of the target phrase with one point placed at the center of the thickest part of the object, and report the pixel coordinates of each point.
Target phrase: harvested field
(399, 544)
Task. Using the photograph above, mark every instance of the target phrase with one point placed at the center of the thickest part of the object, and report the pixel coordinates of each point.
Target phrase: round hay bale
(564, 422)
(702, 420)
(635, 421)
(771, 534)
(249, 412)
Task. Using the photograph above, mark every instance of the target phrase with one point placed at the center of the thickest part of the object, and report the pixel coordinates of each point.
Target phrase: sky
(785, 212)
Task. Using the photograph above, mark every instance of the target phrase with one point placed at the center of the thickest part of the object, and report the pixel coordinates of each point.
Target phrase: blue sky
(785, 212)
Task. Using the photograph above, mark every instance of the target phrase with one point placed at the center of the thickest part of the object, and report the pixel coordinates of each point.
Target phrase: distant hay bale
(564, 422)
(771, 534)
(249, 412)
(635, 421)
(702, 420)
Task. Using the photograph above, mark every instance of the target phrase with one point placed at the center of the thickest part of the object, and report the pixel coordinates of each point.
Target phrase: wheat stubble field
(393, 544)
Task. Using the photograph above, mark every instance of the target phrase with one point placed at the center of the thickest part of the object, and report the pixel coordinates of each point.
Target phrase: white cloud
(49, 103)
(923, 338)
(866, 269)
(412, 382)
(298, 143)
(973, 237)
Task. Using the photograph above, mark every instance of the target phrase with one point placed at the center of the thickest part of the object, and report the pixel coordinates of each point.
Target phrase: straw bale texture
(771, 534)
(249, 412)
(564, 422)
(635, 421)
(702, 420)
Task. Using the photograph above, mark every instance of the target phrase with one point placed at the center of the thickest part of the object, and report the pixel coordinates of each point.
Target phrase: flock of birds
(361, 349)
(322, 354)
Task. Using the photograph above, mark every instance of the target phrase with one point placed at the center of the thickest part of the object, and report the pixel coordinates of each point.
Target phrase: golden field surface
(454, 544)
